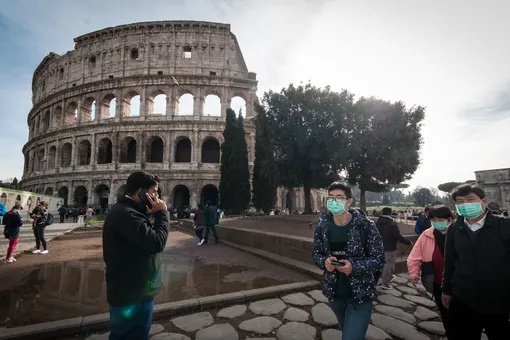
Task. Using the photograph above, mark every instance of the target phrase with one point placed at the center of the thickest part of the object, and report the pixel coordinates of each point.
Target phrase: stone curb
(91, 323)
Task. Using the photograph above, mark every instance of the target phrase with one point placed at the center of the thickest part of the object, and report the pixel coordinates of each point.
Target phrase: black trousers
(61, 218)
(39, 237)
(75, 219)
(468, 324)
(199, 231)
(208, 228)
(445, 313)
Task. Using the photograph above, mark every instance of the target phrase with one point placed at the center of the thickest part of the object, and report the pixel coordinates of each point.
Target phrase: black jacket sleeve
(137, 230)
(449, 260)
(398, 236)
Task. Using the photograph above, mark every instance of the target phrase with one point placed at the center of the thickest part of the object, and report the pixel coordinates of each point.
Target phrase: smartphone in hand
(143, 197)
(336, 263)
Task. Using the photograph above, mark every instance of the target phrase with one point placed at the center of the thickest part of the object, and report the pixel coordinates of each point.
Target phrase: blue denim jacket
(365, 260)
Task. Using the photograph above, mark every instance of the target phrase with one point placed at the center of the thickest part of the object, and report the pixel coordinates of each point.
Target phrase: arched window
(212, 105)
(45, 124)
(210, 151)
(71, 114)
(80, 196)
(51, 157)
(128, 150)
(48, 191)
(63, 192)
(183, 151)
(108, 106)
(104, 151)
(238, 104)
(84, 152)
(155, 150)
(57, 117)
(88, 110)
(40, 159)
(132, 104)
(157, 103)
(209, 194)
(65, 158)
(181, 197)
(186, 103)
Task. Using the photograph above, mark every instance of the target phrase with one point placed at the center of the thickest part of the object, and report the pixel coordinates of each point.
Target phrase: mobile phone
(336, 263)
(143, 197)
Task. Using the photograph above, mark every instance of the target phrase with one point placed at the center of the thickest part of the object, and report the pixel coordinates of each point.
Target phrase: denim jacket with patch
(365, 259)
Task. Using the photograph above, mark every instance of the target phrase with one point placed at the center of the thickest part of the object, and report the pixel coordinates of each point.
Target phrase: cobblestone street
(406, 312)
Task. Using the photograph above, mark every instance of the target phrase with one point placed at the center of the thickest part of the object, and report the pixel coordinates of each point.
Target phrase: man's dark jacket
(423, 223)
(131, 252)
(478, 272)
(390, 233)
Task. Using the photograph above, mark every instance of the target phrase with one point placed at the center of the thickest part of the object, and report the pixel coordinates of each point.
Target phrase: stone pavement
(406, 313)
(27, 240)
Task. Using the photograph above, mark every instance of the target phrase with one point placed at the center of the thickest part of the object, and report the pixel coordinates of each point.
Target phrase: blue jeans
(131, 322)
(353, 318)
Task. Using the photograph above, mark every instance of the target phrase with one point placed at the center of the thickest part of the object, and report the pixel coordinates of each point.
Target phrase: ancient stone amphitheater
(146, 96)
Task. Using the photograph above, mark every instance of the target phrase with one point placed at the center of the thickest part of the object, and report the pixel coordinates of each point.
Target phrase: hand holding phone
(142, 195)
(337, 263)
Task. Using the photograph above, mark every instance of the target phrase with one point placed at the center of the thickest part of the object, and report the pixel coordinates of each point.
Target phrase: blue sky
(452, 57)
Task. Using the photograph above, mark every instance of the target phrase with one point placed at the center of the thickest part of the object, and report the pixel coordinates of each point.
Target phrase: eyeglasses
(337, 199)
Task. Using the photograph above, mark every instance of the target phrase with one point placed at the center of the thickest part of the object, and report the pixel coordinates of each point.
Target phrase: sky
(451, 57)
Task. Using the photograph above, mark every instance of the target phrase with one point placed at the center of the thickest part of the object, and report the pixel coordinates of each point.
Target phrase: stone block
(47, 330)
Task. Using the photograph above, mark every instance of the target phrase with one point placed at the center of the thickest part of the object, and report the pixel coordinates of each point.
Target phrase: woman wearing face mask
(427, 257)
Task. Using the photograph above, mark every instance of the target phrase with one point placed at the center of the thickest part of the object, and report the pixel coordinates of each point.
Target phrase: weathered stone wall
(496, 184)
(83, 134)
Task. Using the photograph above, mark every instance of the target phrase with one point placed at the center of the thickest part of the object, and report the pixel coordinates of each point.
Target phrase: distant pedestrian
(199, 223)
(390, 234)
(74, 214)
(62, 212)
(12, 222)
(211, 221)
(39, 227)
(423, 222)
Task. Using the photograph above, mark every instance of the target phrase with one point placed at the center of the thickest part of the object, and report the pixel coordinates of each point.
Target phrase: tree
(264, 169)
(386, 200)
(309, 128)
(448, 186)
(235, 173)
(385, 145)
(423, 196)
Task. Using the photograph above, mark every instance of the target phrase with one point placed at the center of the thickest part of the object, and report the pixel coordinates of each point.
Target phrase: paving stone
(419, 287)
(260, 325)
(260, 338)
(395, 301)
(397, 328)
(298, 299)
(399, 279)
(267, 307)
(432, 327)
(193, 322)
(103, 336)
(404, 275)
(222, 331)
(156, 328)
(323, 315)
(331, 334)
(295, 314)
(296, 331)
(392, 292)
(423, 313)
(421, 300)
(408, 290)
(374, 333)
(170, 336)
(396, 313)
(318, 296)
(232, 312)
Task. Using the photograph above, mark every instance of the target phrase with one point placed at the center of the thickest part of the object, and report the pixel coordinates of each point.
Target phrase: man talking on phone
(131, 251)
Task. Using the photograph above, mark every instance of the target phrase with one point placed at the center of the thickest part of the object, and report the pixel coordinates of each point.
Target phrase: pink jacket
(422, 252)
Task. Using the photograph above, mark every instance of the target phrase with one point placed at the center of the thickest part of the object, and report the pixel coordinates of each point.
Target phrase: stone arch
(132, 104)
(48, 191)
(66, 154)
(209, 193)
(63, 192)
(212, 105)
(155, 150)
(108, 106)
(45, 123)
(102, 192)
(71, 113)
(181, 196)
(238, 104)
(57, 117)
(80, 196)
(128, 150)
(183, 150)
(84, 152)
(41, 154)
(157, 102)
(210, 150)
(52, 153)
(186, 104)
(88, 109)
(104, 151)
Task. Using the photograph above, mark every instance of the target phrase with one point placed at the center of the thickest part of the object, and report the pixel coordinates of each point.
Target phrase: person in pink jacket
(426, 260)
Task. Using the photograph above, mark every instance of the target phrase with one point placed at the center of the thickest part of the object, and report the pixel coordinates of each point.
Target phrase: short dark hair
(427, 209)
(466, 189)
(386, 211)
(341, 186)
(140, 180)
(440, 211)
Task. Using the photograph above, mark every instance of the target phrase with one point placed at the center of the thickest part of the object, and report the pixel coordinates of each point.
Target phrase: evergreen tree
(264, 170)
(242, 186)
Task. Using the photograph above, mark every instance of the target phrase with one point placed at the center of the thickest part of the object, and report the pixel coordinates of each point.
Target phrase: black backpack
(49, 219)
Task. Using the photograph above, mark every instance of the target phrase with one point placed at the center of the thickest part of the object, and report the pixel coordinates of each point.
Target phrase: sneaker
(44, 252)
(393, 277)
(388, 287)
(201, 242)
(10, 260)
(13, 259)
(36, 251)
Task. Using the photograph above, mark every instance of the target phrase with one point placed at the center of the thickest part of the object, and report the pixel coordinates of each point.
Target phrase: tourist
(390, 234)
(39, 227)
(423, 222)
(89, 213)
(427, 258)
(211, 220)
(199, 223)
(477, 269)
(12, 222)
(348, 247)
(62, 212)
(131, 251)
(74, 214)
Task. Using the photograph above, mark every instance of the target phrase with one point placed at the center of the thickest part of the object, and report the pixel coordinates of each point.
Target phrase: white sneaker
(201, 242)
(388, 287)
(13, 259)
(10, 260)
(36, 251)
(44, 252)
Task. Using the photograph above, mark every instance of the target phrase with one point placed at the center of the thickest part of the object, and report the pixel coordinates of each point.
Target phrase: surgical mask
(336, 206)
(470, 210)
(440, 225)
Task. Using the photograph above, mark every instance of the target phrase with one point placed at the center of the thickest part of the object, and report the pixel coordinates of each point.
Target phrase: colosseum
(147, 96)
